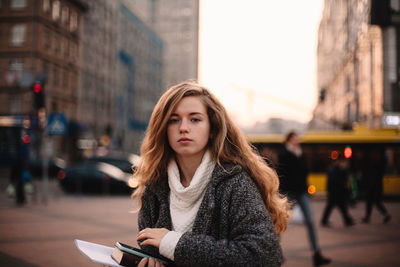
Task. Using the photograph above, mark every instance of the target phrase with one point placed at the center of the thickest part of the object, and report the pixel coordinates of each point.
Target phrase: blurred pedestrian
(338, 188)
(293, 173)
(17, 178)
(374, 169)
(206, 197)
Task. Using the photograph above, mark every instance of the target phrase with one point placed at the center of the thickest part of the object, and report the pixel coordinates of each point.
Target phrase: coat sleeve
(148, 216)
(251, 236)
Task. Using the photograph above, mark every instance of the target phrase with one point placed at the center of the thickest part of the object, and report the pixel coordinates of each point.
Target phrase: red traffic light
(334, 155)
(37, 88)
(26, 139)
(38, 95)
(348, 152)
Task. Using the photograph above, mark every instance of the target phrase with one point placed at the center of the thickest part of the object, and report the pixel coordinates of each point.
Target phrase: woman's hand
(151, 236)
(151, 262)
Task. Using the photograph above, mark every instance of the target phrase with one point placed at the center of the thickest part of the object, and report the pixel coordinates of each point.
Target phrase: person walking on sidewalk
(292, 170)
(16, 177)
(338, 191)
(206, 197)
(374, 169)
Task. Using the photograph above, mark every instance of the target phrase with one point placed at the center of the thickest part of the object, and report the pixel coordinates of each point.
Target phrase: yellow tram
(321, 148)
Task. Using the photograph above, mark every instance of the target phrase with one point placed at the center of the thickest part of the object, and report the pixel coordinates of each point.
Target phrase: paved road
(40, 234)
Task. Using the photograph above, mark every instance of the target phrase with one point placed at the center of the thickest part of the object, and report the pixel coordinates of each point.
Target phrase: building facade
(98, 68)
(104, 62)
(357, 65)
(121, 75)
(39, 40)
(39, 37)
(177, 23)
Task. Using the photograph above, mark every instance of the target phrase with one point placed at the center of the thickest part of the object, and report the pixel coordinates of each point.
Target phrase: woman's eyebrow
(196, 113)
(191, 113)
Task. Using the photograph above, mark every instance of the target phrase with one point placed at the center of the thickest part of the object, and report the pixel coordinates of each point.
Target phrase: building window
(16, 64)
(14, 104)
(56, 10)
(348, 86)
(46, 6)
(47, 39)
(18, 4)
(56, 43)
(55, 76)
(73, 22)
(72, 52)
(65, 79)
(45, 67)
(66, 49)
(65, 15)
(49, 72)
(18, 35)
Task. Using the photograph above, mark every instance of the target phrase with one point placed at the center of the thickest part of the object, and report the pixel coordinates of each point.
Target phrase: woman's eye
(173, 120)
(195, 120)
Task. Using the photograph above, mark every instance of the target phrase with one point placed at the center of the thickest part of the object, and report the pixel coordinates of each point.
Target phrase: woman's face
(294, 140)
(189, 128)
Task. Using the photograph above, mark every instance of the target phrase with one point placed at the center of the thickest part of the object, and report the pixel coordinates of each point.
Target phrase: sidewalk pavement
(373, 244)
(42, 234)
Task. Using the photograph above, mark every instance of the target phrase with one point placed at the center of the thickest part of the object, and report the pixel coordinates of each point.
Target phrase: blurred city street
(79, 80)
(39, 234)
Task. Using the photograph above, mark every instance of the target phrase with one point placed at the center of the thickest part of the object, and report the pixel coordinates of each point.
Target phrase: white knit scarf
(185, 201)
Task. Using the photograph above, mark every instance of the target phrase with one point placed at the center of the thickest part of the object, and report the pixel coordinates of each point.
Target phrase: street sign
(57, 124)
(391, 120)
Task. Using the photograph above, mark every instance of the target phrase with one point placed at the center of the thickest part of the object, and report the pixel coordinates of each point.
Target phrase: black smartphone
(140, 253)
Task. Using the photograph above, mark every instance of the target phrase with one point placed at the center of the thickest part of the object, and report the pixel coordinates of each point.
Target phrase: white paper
(97, 253)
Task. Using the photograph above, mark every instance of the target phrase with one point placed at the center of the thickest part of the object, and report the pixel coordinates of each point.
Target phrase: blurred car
(55, 165)
(96, 177)
(125, 163)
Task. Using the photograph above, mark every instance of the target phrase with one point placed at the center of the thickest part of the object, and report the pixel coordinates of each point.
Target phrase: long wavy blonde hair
(227, 144)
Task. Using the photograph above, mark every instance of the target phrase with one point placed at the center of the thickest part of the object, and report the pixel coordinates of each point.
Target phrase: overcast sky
(259, 56)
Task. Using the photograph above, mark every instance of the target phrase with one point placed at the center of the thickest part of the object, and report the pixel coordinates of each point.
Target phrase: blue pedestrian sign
(57, 124)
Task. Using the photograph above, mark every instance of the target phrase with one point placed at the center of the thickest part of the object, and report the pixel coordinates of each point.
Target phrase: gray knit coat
(232, 226)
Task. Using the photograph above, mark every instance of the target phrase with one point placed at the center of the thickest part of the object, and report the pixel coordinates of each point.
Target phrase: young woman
(206, 198)
(293, 172)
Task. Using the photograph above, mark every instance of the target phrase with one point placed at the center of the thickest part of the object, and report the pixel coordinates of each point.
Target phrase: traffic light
(26, 138)
(38, 94)
(348, 152)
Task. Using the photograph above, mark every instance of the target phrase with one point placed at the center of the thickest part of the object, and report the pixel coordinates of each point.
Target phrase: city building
(39, 40)
(121, 77)
(358, 65)
(39, 37)
(96, 109)
(103, 64)
(177, 23)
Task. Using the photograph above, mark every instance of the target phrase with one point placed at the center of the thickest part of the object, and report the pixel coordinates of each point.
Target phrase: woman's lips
(184, 140)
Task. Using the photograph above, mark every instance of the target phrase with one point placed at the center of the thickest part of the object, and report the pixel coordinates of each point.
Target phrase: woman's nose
(184, 127)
